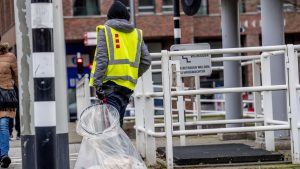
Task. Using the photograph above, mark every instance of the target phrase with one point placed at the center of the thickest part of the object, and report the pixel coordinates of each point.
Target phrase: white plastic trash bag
(105, 145)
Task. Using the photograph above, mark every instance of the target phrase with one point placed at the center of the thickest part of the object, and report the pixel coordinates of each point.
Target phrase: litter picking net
(105, 145)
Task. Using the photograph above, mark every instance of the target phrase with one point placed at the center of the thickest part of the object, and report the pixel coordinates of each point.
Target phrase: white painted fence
(262, 117)
(145, 111)
(83, 94)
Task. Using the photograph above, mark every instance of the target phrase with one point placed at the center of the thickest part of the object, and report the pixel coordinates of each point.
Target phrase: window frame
(203, 6)
(98, 9)
(167, 9)
(146, 7)
(284, 7)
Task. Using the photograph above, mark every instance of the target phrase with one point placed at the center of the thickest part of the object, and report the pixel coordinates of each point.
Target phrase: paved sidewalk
(15, 154)
(74, 140)
(74, 145)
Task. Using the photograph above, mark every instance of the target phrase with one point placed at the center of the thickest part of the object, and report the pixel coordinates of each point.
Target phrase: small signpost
(195, 65)
(192, 66)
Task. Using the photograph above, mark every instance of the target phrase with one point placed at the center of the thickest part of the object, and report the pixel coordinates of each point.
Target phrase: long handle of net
(106, 115)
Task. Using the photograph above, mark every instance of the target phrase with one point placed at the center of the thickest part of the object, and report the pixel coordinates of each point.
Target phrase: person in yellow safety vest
(121, 57)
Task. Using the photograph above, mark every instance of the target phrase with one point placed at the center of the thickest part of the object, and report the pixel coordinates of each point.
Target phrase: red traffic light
(79, 60)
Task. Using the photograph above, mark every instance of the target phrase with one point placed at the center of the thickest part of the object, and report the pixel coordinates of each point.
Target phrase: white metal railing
(158, 95)
(83, 96)
(194, 111)
(262, 118)
(144, 95)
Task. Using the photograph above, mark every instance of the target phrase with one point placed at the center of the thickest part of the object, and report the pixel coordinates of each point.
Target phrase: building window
(289, 5)
(242, 6)
(146, 7)
(6, 16)
(86, 7)
(258, 8)
(203, 10)
(167, 6)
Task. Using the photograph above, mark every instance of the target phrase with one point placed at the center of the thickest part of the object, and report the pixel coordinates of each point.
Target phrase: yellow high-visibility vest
(124, 53)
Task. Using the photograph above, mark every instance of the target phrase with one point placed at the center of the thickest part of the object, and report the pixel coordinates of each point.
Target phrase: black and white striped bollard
(44, 83)
(177, 30)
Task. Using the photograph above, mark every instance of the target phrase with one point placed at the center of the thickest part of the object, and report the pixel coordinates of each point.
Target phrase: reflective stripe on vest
(124, 50)
(91, 83)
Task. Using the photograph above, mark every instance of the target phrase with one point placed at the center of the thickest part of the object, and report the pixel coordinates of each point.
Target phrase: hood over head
(118, 11)
(120, 25)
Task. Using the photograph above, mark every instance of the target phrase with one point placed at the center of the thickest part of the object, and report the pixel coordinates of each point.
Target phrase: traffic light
(79, 63)
(190, 7)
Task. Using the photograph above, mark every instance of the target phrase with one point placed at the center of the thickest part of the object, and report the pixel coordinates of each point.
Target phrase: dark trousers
(117, 96)
(120, 103)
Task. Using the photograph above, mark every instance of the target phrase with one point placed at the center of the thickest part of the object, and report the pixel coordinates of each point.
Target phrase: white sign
(43, 64)
(193, 65)
(90, 39)
(42, 15)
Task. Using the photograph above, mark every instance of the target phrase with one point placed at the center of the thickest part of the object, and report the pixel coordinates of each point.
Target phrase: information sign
(193, 65)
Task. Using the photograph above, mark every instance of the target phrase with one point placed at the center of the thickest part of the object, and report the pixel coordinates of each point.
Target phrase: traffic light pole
(272, 29)
(132, 13)
(80, 67)
(232, 69)
(177, 30)
(62, 138)
(23, 39)
(38, 104)
(43, 61)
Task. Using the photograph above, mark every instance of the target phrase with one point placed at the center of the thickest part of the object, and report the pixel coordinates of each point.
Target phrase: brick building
(155, 18)
(7, 21)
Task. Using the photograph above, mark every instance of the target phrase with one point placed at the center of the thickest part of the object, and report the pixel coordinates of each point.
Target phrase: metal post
(273, 34)
(83, 94)
(198, 101)
(177, 30)
(257, 95)
(61, 87)
(267, 101)
(232, 69)
(180, 102)
(294, 118)
(149, 116)
(23, 39)
(166, 75)
(132, 13)
(43, 60)
(139, 101)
